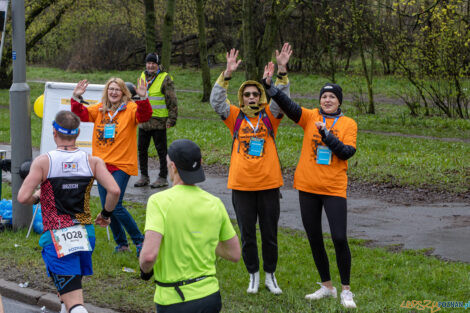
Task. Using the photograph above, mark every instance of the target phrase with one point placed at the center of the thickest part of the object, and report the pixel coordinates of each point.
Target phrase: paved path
(13, 306)
(444, 227)
(25, 300)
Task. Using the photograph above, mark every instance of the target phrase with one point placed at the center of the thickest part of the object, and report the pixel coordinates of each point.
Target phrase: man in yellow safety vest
(161, 93)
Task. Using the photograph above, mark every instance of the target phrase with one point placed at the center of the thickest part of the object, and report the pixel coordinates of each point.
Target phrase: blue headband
(64, 131)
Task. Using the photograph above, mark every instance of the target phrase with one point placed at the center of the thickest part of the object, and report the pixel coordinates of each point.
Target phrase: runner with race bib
(66, 176)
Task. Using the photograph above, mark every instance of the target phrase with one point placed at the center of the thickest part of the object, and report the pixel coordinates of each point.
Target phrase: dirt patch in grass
(35, 277)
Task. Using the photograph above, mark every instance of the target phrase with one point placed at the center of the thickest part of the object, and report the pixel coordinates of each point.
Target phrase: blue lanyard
(248, 121)
(117, 111)
(334, 122)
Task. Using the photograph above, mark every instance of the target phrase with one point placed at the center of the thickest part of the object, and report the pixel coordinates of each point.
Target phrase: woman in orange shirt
(321, 178)
(114, 140)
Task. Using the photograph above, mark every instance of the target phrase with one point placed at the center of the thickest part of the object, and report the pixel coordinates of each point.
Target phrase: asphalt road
(13, 306)
(443, 227)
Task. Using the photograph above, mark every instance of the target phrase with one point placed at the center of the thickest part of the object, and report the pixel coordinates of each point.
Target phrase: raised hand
(80, 88)
(268, 73)
(232, 63)
(141, 89)
(282, 58)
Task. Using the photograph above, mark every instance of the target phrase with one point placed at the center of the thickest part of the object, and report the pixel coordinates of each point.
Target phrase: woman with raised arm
(255, 172)
(115, 120)
(321, 178)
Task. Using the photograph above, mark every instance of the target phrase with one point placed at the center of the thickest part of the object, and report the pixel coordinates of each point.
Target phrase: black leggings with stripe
(336, 211)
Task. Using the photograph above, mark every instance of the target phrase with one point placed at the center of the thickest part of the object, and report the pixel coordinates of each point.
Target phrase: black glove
(146, 276)
(265, 84)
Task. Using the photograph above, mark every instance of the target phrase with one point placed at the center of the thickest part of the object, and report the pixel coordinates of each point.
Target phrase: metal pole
(20, 114)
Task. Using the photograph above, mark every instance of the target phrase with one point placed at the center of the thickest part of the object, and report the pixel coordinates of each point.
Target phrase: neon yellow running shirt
(192, 222)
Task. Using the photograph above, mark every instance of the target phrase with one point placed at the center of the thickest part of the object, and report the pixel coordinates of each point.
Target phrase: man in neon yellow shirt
(185, 228)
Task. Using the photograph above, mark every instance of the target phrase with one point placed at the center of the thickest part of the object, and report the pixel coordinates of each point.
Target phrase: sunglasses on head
(254, 93)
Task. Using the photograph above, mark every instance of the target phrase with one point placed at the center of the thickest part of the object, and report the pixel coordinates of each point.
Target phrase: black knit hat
(153, 57)
(187, 157)
(334, 88)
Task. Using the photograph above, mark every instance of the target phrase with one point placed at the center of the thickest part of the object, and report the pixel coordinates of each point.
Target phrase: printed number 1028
(72, 235)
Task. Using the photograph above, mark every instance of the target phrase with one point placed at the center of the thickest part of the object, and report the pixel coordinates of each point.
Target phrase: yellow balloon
(39, 106)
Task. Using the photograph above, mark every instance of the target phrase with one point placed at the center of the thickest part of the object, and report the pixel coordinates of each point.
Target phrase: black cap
(153, 57)
(187, 157)
(334, 88)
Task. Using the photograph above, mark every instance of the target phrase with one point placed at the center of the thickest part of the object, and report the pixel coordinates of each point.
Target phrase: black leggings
(336, 212)
(249, 207)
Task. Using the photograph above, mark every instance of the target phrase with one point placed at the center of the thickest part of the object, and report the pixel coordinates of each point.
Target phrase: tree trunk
(267, 45)
(357, 13)
(150, 36)
(6, 74)
(371, 109)
(249, 53)
(167, 34)
(206, 74)
(332, 65)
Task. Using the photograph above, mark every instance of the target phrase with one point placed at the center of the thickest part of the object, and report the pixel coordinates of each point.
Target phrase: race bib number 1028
(69, 240)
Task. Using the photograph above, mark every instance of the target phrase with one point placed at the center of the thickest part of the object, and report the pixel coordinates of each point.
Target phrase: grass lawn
(380, 158)
(381, 279)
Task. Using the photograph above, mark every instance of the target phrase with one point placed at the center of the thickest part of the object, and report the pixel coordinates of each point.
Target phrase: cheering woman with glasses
(255, 172)
(114, 140)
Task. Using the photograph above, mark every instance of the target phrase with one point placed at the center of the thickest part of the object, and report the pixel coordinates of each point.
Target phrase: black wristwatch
(106, 214)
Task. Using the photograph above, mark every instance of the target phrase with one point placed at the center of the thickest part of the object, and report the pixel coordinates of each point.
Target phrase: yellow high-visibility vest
(156, 97)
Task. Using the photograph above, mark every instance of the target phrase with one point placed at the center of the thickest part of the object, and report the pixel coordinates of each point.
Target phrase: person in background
(66, 176)
(114, 140)
(322, 180)
(255, 173)
(185, 228)
(162, 97)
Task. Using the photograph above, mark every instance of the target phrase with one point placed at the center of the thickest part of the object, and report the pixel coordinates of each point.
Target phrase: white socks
(78, 309)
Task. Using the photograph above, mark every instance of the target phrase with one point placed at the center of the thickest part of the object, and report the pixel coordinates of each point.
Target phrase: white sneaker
(254, 283)
(321, 293)
(271, 284)
(347, 299)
